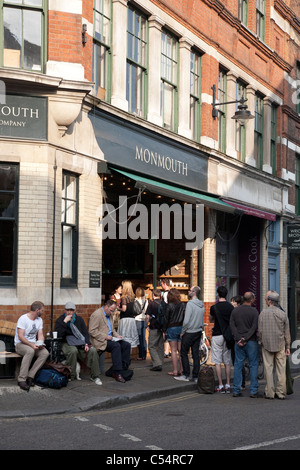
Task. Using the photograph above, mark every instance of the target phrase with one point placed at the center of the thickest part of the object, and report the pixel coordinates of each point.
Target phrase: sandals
(174, 374)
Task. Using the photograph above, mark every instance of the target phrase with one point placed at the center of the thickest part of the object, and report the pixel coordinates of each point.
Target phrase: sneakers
(182, 378)
(97, 381)
(222, 389)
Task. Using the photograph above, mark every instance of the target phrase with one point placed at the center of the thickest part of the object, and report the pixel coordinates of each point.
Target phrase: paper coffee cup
(54, 334)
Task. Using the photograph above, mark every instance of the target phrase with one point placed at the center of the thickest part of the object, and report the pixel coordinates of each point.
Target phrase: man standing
(76, 342)
(165, 285)
(219, 315)
(29, 343)
(243, 324)
(155, 340)
(191, 334)
(274, 335)
(105, 338)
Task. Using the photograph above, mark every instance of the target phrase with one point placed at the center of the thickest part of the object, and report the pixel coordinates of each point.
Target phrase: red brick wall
(13, 312)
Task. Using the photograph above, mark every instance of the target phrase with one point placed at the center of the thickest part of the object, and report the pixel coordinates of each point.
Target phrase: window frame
(243, 7)
(107, 49)
(297, 184)
(195, 94)
(258, 130)
(222, 109)
(44, 30)
(170, 80)
(273, 139)
(132, 64)
(240, 129)
(261, 19)
(73, 280)
(11, 281)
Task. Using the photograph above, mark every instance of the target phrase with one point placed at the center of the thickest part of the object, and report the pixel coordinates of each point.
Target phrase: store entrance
(142, 261)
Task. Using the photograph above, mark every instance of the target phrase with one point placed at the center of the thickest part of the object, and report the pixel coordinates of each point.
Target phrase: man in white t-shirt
(29, 343)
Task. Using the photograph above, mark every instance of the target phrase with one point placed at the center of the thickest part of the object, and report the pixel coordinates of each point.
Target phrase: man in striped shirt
(274, 335)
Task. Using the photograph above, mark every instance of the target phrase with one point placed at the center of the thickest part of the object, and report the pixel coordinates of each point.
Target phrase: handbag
(63, 369)
(289, 378)
(206, 380)
(226, 331)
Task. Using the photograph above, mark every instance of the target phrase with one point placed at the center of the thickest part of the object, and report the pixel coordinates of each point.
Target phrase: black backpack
(160, 319)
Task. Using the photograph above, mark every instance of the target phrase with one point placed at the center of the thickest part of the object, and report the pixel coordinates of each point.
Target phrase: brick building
(113, 98)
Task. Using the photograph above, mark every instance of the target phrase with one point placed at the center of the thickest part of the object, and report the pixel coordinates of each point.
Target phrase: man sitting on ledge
(105, 338)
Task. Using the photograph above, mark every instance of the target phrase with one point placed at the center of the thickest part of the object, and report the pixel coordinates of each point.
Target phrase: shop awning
(182, 194)
(252, 211)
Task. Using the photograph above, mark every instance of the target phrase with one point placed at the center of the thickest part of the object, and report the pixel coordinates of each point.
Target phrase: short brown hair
(37, 305)
(173, 296)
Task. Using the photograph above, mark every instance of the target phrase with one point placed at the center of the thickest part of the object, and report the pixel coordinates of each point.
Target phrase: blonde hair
(127, 289)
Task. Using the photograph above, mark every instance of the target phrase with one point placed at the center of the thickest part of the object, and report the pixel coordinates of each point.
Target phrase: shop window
(169, 81)
(222, 92)
(195, 94)
(260, 18)
(137, 57)
(69, 230)
(258, 130)
(243, 11)
(23, 34)
(9, 175)
(240, 129)
(102, 48)
(273, 256)
(227, 253)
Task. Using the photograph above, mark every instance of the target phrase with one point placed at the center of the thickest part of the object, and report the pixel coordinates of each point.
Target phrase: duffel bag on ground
(206, 380)
(50, 378)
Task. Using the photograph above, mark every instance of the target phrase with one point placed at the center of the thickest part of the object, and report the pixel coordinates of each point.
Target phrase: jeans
(190, 340)
(140, 325)
(250, 351)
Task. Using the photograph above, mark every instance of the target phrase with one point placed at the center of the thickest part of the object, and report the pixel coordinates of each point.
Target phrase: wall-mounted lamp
(84, 30)
(242, 114)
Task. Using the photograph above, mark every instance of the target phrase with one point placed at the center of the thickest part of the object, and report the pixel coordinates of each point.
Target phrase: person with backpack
(155, 320)
(191, 335)
(140, 307)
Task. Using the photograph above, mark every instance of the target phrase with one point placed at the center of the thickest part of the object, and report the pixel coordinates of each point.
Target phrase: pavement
(84, 395)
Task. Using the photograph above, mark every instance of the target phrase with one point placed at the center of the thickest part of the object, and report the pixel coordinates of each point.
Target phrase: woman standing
(174, 315)
(141, 304)
(116, 297)
(127, 326)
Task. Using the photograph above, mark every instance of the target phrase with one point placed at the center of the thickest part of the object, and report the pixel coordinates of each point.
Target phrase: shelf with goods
(178, 281)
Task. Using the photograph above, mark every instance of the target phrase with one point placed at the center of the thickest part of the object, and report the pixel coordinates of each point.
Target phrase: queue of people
(238, 330)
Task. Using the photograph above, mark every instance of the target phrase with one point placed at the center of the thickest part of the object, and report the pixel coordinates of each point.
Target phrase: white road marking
(269, 443)
(130, 437)
(81, 418)
(153, 447)
(102, 426)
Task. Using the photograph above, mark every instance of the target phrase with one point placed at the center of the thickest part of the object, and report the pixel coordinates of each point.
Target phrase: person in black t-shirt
(220, 315)
(155, 339)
